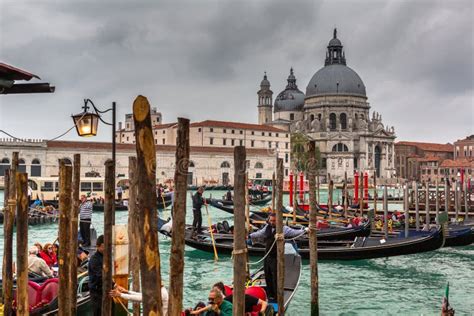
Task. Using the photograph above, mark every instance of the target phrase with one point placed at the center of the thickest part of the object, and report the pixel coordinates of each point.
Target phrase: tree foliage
(299, 155)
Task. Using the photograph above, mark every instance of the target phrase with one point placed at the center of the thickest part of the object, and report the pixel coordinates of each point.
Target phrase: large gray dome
(335, 79)
(290, 99)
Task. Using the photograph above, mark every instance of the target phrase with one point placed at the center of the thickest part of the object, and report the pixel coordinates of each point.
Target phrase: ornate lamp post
(87, 122)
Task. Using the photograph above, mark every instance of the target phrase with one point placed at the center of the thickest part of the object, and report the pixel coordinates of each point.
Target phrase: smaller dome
(334, 42)
(265, 82)
(290, 99)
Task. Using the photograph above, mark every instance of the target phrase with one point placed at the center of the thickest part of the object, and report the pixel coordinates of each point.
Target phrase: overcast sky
(205, 59)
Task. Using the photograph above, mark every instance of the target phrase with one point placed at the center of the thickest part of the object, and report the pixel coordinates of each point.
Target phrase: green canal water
(404, 285)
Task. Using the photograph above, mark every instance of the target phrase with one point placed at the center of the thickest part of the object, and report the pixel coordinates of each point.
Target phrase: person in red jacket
(48, 255)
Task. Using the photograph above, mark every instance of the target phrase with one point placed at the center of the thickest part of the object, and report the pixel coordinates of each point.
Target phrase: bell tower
(265, 101)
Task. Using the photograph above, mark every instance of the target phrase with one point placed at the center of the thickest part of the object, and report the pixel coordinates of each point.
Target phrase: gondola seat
(259, 293)
(228, 290)
(49, 290)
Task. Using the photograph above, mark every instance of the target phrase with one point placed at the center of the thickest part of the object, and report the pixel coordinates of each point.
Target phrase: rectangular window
(156, 141)
(233, 131)
(86, 186)
(232, 142)
(97, 186)
(211, 141)
(252, 143)
(224, 141)
(276, 134)
(286, 145)
(241, 142)
(286, 135)
(269, 144)
(163, 141)
(258, 175)
(211, 130)
(292, 116)
(276, 144)
(224, 131)
(164, 131)
(253, 133)
(286, 157)
(263, 133)
(199, 130)
(269, 134)
(241, 132)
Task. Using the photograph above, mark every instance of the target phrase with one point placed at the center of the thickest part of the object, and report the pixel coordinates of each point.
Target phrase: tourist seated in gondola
(48, 255)
(121, 292)
(267, 233)
(216, 305)
(38, 265)
(250, 301)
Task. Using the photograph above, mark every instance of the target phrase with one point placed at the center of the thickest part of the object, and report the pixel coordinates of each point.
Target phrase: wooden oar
(212, 233)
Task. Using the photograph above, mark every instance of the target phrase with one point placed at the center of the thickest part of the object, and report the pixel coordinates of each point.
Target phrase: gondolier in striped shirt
(85, 219)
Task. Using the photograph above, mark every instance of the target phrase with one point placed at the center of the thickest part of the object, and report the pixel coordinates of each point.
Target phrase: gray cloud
(204, 60)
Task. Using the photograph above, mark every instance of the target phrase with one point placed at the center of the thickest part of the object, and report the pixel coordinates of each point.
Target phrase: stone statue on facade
(315, 126)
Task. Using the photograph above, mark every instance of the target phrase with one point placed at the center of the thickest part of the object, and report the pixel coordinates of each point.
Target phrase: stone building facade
(464, 148)
(335, 113)
(413, 157)
(209, 165)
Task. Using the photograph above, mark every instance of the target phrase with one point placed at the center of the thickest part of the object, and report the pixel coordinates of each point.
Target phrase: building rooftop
(236, 125)
(429, 146)
(458, 163)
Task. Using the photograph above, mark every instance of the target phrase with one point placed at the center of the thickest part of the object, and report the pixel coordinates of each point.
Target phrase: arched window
(312, 117)
(319, 117)
(67, 161)
(340, 147)
(225, 164)
(35, 168)
(343, 120)
(332, 121)
(4, 165)
(21, 165)
(258, 165)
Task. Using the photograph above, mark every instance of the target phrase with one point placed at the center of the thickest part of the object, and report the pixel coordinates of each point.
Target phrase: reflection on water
(406, 285)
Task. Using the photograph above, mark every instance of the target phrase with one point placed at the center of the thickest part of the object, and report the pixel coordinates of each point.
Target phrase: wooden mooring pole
(280, 240)
(330, 193)
(456, 201)
(240, 249)
(427, 204)
(109, 191)
(466, 204)
(146, 170)
(313, 238)
(175, 303)
(406, 206)
(134, 230)
(375, 193)
(274, 185)
(73, 244)
(65, 254)
(417, 206)
(437, 200)
(22, 244)
(8, 222)
(447, 195)
(346, 196)
(385, 211)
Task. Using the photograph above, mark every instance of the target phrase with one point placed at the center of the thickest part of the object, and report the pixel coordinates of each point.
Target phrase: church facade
(335, 113)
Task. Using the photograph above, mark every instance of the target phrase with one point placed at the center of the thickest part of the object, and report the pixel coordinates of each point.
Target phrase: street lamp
(86, 125)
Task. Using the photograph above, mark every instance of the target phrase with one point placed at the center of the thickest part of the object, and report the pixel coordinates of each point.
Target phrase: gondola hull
(362, 248)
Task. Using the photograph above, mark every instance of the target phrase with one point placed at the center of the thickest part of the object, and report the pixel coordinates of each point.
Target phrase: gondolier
(85, 220)
(270, 262)
(198, 202)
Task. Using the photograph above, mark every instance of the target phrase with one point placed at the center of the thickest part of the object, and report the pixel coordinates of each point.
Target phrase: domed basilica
(335, 113)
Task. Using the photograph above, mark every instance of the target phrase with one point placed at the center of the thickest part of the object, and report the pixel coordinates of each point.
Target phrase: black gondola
(161, 203)
(360, 248)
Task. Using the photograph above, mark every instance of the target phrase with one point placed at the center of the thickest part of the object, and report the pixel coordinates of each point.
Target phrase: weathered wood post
(22, 243)
(330, 192)
(456, 201)
(109, 215)
(361, 193)
(317, 186)
(385, 211)
(406, 206)
(427, 204)
(134, 230)
(120, 246)
(146, 170)
(417, 206)
(73, 244)
(447, 195)
(280, 240)
(247, 202)
(466, 204)
(313, 237)
(175, 303)
(240, 248)
(437, 200)
(65, 254)
(375, 193)
(346, 202)
(273, 191)
(8, 222)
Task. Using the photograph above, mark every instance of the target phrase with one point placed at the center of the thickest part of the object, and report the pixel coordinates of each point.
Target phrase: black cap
(100, 240)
